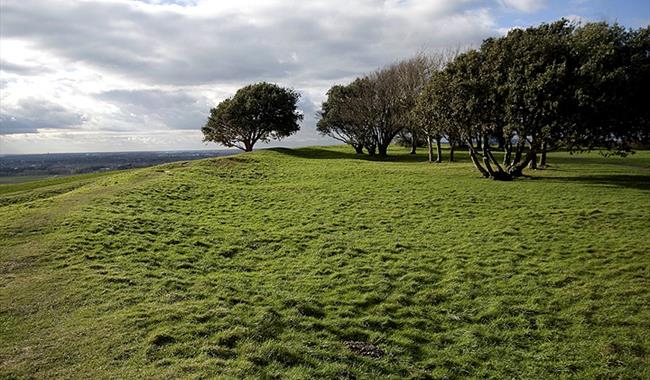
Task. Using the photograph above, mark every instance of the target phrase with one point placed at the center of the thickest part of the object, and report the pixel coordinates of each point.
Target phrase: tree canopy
(257, 112)
(372, 110)
(557, 85)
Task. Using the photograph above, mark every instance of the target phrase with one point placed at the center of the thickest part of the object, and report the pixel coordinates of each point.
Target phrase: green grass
(268, 264)
(23, 178)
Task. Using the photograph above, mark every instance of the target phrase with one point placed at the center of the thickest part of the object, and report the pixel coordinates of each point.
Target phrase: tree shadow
(316, 153)
(630, 181)
(335, 154)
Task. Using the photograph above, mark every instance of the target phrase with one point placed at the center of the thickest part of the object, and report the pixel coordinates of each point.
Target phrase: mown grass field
(270, 264)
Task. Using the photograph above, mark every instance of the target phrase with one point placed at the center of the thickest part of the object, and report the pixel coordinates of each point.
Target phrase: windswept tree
(413, 74)
(342, 118)
(384, 111)
(539, 94)
(433, 114)
(372, 110)
(257, 112)
(611, 80)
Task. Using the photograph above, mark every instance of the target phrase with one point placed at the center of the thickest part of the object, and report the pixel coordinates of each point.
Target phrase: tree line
(556, 85)
(553, 86)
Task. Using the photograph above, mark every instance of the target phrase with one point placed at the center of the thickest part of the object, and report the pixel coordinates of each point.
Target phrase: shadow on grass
(640, 182)
(633, 181)
(331, 154)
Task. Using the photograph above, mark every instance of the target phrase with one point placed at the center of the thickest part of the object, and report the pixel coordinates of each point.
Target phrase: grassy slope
(264, 264)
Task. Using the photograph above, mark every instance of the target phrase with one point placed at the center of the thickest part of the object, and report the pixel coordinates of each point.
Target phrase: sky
(135, 75)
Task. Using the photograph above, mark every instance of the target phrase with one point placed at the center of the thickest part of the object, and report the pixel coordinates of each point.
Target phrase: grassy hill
(313, 263)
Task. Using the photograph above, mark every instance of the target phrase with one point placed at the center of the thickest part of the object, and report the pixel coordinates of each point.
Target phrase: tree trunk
(476, 162)
(489, 159)
(430, 147)
(533, 162)
(518, 153)
(248, 146)
(486, 142)
(517, 170)
(372, 150)
(502, 142)
(451, 153)
(414, 142)
(358, 149)
(438, 150)
(478, 142)
(542, 160)
(507, 154)
(383, 150)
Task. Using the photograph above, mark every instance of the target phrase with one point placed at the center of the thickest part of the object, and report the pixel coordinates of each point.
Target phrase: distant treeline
(557, 85)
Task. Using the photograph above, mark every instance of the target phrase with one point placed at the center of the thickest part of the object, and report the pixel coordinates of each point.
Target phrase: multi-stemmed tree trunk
(516, 169)
(489, 167)
(430, 140)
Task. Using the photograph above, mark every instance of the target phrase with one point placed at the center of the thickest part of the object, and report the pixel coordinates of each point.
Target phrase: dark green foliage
(288, 264)
(541, 88)
(612, 80)
(342, 117)
(257, 112)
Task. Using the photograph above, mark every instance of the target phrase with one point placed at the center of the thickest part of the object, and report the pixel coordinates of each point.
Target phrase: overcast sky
(120, 75)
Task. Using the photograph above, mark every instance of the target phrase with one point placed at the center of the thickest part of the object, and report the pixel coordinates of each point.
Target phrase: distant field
(23, 178)
(313, 263)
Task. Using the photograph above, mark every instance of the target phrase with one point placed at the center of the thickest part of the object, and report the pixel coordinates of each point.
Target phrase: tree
(413, 74)
(383, 110)
(612, 78)
(433, 113)
(342, 119)
(372, 110)
(257, 112)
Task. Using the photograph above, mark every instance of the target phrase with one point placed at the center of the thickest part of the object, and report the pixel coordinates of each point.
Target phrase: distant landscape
(30, 167)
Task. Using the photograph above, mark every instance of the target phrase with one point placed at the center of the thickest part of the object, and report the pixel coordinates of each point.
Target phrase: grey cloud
(171, 109)
(20, 69)
(176, 48)
(32, 114)
(10, 125)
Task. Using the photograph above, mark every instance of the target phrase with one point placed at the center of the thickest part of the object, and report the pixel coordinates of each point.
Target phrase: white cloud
(577, 19)
(527, 6)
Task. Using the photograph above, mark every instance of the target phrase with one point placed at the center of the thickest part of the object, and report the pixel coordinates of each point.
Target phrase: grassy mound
(313, 263)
